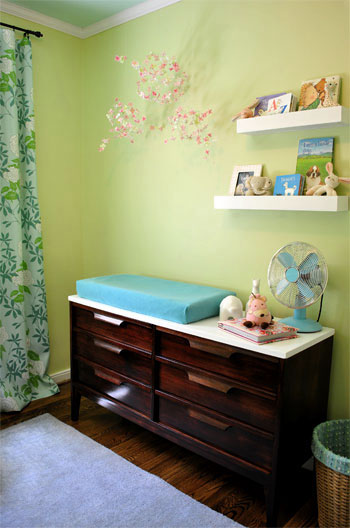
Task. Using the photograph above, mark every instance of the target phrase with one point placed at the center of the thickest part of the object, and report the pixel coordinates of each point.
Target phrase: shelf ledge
(333, 116)
(283, 203)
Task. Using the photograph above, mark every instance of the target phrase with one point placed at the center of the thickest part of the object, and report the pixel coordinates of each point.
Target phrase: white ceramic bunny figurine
(331, 182)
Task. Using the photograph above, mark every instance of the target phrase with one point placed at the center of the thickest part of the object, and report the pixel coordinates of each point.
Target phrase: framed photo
(239, 177)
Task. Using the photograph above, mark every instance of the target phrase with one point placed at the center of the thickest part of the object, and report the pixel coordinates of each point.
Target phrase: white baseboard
(62, 376)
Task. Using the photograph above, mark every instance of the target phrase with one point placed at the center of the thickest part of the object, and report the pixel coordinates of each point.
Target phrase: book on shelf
(275, 332)
(313, 156)
(320, 93)
(281, 105)
(289, 185)
(261, 107)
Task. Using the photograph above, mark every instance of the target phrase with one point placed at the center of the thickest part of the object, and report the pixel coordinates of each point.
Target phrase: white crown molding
(120, 18)
(128, 14)
(39, 18)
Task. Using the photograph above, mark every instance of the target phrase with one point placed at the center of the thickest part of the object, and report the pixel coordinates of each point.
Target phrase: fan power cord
(319, 313)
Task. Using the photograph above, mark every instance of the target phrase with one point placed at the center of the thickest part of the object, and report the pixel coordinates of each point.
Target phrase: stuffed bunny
(331, 182)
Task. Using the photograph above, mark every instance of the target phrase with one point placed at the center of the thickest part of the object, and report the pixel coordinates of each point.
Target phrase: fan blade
(312, 277)
(281, 286)
(304, 289)
(286, 260)
(309, 263)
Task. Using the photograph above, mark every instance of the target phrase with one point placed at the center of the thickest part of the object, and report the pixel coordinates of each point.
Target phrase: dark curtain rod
(25, 31)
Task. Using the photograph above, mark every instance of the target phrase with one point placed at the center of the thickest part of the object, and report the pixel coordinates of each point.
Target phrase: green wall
(148, 208)
(57, 95)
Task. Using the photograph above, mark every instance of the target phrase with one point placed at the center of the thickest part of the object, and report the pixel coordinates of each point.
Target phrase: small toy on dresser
(257, 313)
(231, 307)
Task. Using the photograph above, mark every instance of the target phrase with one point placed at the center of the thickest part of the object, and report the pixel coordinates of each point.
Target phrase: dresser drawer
(110, 325)
(114, 385)
(217, 393)
(226, 360)
(124, 359)
(217, 430)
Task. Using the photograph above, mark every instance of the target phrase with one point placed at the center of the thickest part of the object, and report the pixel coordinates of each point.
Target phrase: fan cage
(315, 279)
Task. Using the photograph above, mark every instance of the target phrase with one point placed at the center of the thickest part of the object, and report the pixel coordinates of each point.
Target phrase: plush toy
(331, 182)
(246, 112)
(258, 313)
(258, 186)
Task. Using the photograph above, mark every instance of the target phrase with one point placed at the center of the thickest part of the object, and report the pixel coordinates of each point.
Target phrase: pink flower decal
(124, 122)
(120, 58)
(158, 75)
(160, 80)
(191, 125)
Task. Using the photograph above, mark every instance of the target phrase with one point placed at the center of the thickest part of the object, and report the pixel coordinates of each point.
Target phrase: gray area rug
(55, 477)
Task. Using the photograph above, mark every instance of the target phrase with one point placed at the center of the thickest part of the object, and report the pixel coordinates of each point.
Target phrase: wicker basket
(331, 448)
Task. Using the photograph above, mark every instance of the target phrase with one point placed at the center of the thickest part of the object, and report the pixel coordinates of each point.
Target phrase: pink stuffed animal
(258, 314)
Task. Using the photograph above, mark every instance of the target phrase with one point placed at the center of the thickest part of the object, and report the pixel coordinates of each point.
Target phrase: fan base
(304, 326)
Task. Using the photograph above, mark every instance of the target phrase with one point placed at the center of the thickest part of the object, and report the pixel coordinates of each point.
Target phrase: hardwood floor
(221, 490)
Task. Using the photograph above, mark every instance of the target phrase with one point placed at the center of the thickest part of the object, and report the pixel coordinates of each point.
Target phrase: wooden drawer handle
(222, 386)
(107, 319)
(216, 349)
(107, 377)
(108, 346)
(208, 420)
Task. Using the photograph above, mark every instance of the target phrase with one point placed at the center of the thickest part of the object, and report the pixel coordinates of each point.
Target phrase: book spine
(260, 342)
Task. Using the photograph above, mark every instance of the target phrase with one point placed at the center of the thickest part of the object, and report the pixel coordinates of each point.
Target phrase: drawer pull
(222, 386)
(107, 377)
(107, 319)
(108, 346)
(217, 350)
(208, 420)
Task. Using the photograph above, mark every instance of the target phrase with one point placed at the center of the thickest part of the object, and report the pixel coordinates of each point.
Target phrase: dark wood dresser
(249, 408)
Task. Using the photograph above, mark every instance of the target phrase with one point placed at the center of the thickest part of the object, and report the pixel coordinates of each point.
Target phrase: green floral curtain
(24, 340)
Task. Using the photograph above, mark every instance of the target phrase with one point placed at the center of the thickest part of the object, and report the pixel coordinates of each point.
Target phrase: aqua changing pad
(172, 300)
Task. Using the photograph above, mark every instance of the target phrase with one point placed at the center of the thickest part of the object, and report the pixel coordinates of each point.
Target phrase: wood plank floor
(221, 490)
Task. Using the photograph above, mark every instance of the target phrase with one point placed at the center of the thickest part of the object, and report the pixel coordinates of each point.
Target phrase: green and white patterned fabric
(331, 445)
(24, 339)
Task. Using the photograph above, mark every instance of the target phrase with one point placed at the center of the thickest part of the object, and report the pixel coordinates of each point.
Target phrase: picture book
(313, 155)
(320, 93)
(289, 185)
(275, 332)
(263, 103)
(281, 105)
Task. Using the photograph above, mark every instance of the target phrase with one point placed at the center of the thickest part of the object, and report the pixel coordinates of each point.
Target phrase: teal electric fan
(297, 277)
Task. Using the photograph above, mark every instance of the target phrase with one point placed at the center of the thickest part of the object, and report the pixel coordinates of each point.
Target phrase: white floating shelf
(283, 203)
(319, 118)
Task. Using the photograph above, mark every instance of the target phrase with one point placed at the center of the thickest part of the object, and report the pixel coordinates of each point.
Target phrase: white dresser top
(208, 329)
